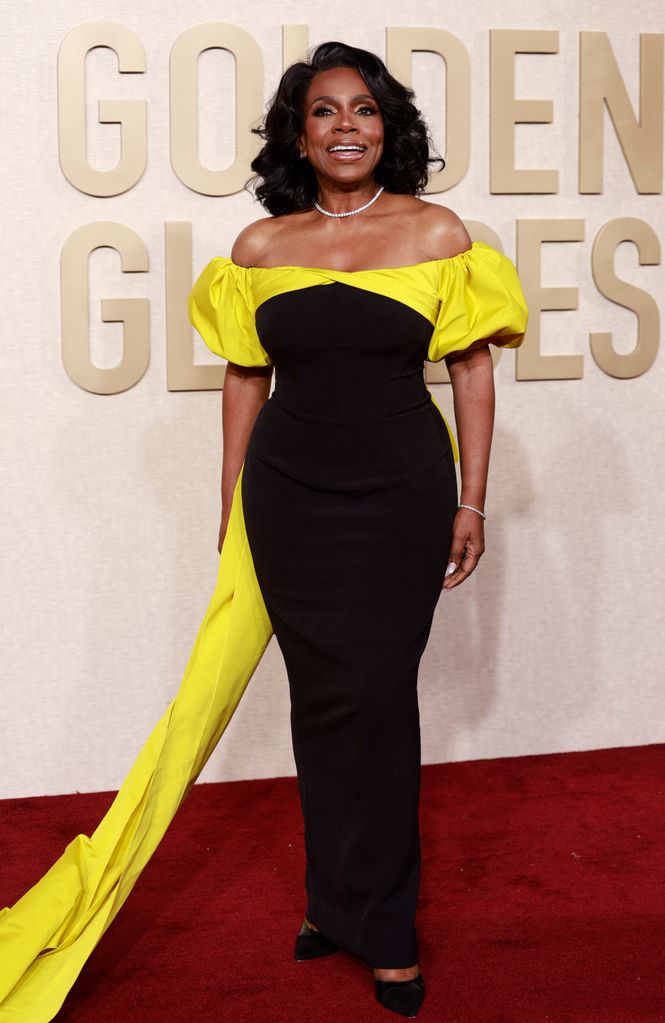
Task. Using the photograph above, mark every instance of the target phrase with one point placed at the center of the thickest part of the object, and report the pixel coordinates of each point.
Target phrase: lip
(348, 156)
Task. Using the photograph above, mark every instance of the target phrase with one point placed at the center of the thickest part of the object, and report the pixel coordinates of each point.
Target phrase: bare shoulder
(442, 232)
(252, 242)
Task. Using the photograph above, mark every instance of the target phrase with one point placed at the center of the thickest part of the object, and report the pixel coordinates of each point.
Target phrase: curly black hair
(287, 184)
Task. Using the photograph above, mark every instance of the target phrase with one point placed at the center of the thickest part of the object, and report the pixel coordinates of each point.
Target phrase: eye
(320, 111)
(366, 109)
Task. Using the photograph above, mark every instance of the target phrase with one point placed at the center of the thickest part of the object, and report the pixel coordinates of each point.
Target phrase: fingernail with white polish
(451, 568)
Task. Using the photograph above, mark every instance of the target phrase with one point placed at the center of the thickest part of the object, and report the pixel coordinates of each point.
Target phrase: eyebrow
(334, 99)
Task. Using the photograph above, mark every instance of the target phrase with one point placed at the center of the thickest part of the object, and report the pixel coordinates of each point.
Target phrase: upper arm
(445, 234)
(460, 363)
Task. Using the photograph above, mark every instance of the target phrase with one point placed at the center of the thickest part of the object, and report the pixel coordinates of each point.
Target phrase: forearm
(472, 378)
(246, 389)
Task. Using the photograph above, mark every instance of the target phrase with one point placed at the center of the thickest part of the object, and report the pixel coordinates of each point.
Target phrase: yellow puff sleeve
(481, 298)
(221, 308)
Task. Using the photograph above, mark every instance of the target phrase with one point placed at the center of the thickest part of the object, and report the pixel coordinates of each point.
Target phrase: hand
(467, 547)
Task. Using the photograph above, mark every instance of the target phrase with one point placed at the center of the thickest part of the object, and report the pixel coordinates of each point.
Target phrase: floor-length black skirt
(349, 523)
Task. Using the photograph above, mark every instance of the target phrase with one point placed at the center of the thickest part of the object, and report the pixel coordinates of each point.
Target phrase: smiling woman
(348, 484)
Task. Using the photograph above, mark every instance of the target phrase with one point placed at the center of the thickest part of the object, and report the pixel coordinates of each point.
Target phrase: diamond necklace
(349, 213)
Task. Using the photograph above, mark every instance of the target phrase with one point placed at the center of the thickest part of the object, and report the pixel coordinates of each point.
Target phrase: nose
(345, 124)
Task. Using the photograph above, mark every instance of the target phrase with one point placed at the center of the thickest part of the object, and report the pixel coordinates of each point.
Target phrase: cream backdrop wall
(110, 502)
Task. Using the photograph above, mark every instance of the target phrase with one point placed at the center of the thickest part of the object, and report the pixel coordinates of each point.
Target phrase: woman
(348, 482)
(340, 519)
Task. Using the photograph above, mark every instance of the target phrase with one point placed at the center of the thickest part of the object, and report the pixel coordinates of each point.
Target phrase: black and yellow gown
(337, 542)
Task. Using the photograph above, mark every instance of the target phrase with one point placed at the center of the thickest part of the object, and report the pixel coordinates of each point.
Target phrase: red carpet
(542, 901)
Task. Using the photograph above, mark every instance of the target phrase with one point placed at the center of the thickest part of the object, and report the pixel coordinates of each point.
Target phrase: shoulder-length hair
(284, 183)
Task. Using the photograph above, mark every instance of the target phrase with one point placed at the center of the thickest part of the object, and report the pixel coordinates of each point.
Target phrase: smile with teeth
(342, 147)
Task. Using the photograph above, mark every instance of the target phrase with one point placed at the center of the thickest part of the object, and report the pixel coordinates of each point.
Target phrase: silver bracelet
(471, 508)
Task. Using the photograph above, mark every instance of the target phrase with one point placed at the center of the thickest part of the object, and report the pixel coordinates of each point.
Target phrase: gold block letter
(601, 85)
(626, 229)
(401, 43)
(506, 111)
(130, 114)
(184, 116)
(133, 313)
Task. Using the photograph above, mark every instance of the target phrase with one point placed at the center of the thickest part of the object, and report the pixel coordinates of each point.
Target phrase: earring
(303, 156)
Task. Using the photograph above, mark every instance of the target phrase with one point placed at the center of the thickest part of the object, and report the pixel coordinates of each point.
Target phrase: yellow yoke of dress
(473, 296)
(470, 297)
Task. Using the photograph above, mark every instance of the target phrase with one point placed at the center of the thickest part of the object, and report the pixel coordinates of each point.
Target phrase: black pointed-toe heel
(402, 996)
(312, 944)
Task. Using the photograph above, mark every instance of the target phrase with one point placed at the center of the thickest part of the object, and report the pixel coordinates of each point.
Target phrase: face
(342, 128)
